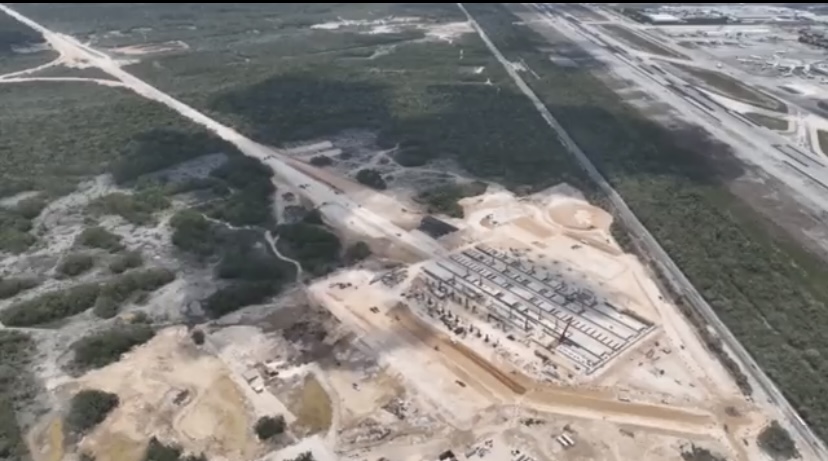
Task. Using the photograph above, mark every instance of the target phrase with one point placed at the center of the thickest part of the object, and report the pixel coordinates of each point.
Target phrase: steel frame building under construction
(557, 316)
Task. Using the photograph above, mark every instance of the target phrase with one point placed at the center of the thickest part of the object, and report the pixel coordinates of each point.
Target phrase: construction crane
(562, 337)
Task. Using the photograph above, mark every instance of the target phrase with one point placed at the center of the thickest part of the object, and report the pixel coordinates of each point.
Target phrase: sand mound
(580, 216)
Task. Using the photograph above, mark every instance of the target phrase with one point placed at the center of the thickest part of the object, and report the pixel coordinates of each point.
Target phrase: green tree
(371, 178)
(125, 261)
(357, 252)
(11, 287)
(777, 442)
(270, 426)
(197, 337)
(98, 237)
(104, 347)
(51, 306)
(233, 297)
(30, 208)
(88, 408)
(321, 160)
(193, 233)
(75, 264)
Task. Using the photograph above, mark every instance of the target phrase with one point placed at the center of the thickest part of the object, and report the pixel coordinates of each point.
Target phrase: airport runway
(660, 257)
(751, 143)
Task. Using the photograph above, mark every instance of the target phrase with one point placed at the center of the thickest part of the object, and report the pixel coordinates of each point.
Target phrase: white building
(662, 18)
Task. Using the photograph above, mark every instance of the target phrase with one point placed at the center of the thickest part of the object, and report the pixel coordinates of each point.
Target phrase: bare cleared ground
(170, 389)
(667, 384)
(394, 382)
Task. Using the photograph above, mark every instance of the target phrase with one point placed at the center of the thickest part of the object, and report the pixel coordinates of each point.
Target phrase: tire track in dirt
(513, 385)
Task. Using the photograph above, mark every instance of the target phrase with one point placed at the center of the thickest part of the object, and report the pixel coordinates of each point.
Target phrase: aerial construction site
(535, 309)
(321, 296)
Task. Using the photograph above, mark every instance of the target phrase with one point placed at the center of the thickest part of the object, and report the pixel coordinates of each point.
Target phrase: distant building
(662, 18)
(435, 227)
(814, 37)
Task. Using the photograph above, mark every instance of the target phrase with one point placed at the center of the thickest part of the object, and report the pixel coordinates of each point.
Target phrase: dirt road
(338, 208)
(507, 386)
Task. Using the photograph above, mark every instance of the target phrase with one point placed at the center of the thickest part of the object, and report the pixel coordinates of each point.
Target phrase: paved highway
(662, 260)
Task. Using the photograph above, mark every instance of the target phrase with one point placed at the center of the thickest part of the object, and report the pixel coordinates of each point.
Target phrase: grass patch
(312, 407)
(760, 282)
(640, 42)
(822, 137)
(774, 123)
(732, 88)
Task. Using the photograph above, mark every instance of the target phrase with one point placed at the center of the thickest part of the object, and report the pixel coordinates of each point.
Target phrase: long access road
(662, 260)
(338, 208)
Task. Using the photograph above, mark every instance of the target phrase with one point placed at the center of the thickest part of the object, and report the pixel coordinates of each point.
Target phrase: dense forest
(443, 199)
(16, 352)
(770, 293)
(15, 37)
(14, 34)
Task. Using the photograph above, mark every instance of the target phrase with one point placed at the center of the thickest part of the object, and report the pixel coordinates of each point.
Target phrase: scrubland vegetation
(443, 199)
(421, 98)
(51, 306)
(87, 409)
(767, 290)
(157, 451)
(98, 237)
(16, 352)
(127, 260)
(104, 347)
(315, 247)
(15, 37)
(12, 286)
(777, 443)
(58, 305)
(75, 264)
